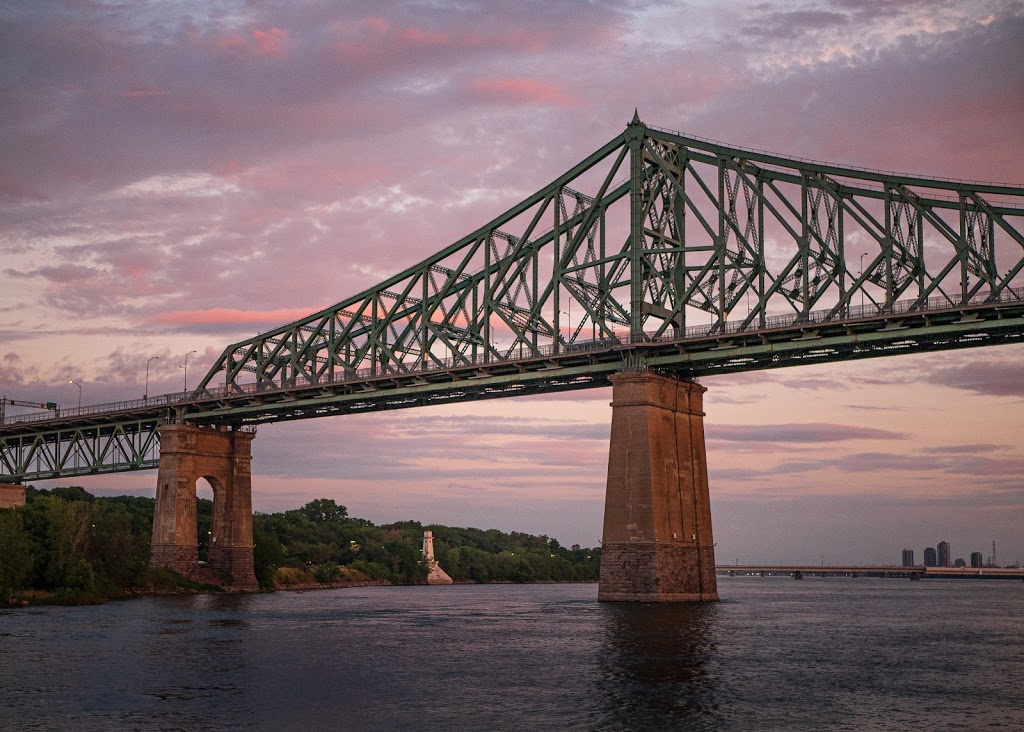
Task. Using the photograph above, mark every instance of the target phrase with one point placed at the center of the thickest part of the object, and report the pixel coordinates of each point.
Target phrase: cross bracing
(696, 233)
(659, 250)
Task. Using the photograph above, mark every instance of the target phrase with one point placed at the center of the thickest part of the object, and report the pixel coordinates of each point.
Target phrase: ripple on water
(838, 654)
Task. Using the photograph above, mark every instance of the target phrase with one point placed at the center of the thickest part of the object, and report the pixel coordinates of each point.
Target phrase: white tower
(437, 575)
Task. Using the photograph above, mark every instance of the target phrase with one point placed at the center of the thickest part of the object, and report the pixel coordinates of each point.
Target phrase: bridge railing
(774, 322)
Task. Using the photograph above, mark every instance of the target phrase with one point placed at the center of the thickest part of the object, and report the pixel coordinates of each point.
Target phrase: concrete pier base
(658, 544)
(12, 495)
(222, 458)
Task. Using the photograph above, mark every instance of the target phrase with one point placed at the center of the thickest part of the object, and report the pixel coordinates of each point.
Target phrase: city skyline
(181, 177)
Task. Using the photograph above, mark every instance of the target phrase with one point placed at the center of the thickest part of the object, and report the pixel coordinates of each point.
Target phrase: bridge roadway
(1015, 573)
(122, 436)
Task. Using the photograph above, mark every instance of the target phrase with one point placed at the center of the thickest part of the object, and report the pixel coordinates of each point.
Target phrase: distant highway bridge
(801, 571)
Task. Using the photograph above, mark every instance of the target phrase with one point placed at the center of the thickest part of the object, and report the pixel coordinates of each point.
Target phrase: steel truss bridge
(659, 250)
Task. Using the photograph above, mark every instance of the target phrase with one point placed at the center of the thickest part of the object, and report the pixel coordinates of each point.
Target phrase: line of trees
(321, 534)
(72, 546)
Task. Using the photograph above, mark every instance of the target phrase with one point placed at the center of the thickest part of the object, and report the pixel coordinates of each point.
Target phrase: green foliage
(83, 548)
(327, 572)
(80, 547)
(268, 554)
(323, 510)
(310, 538)
(16, 559)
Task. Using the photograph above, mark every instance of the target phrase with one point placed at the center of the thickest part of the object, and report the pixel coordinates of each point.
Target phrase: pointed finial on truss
(636, 118)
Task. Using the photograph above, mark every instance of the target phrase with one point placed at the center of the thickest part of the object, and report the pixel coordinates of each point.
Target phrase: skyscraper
(977, 560)
(929, 557)
(908, 557)
(945, 560)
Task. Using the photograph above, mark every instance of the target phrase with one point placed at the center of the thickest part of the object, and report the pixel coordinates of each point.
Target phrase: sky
(176, 176)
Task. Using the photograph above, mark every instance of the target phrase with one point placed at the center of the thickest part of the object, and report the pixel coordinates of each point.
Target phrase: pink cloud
(427, 38)
(219, 316)
(523, 91)
(270, 42)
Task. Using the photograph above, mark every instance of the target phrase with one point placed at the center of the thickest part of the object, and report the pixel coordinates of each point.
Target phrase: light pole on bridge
(185, 366)
(860, 277)
(145, 395)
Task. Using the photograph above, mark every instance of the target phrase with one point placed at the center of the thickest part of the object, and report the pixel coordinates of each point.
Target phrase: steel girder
(37, 452)
(696, 233)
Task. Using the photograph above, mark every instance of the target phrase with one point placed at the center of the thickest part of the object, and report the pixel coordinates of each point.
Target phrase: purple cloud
(813, 433)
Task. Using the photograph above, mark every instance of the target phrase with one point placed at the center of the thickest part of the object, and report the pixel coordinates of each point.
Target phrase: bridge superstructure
(659, 251)
(685, 255)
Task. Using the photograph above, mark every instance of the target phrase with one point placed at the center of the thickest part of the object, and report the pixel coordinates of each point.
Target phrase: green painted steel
(659, 250)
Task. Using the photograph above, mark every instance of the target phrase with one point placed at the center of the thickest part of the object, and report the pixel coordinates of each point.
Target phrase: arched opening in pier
(205, 499)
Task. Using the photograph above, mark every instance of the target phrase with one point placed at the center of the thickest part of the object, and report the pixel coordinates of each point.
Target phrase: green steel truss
(660, 250)
(48, 451)
(673, 232)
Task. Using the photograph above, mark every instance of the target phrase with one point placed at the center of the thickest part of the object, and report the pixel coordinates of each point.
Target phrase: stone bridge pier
(657, 544)
(222, 457)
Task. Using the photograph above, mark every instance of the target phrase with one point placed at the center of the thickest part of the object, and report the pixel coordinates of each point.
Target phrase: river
(774, 654)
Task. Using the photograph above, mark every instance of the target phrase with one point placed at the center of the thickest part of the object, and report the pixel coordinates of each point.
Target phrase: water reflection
(657, 666)
(194, 667)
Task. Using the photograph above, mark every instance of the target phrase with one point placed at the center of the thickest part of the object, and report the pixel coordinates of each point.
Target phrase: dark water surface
(834, 654)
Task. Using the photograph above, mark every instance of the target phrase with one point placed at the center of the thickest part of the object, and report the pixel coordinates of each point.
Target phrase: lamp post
(145, 396)
(72, 381)
(860, 277)
(185, 366)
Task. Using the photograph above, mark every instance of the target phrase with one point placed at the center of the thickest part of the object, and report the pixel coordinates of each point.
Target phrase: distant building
(960, 562)
(944, 558)
(929, 557)
(977, 560)
(908, 557)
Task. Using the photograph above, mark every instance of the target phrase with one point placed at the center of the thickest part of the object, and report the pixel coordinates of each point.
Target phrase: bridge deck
(819, 337)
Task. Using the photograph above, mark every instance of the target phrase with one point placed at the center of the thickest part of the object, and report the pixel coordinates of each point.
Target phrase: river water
(822, 654)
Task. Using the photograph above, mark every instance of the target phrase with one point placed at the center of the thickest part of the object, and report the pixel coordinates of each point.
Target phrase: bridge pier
(223, 458)
(12, 495)
(657, 545)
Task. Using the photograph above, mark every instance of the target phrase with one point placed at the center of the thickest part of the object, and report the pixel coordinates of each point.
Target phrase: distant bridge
(810, 570)
(660, 253)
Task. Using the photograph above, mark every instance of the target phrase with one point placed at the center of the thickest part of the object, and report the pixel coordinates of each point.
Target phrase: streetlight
(151, 359)
(185, 366)
(862, 255)
(72, 381)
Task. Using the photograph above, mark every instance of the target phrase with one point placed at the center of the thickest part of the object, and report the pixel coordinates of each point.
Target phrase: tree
(16, 551)
(323, 510)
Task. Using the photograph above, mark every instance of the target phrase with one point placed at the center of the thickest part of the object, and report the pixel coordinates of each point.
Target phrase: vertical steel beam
(635, 133)
(721, 242)
(556, 274)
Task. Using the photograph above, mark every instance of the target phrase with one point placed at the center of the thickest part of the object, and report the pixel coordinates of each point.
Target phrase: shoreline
(43, 598)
